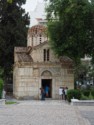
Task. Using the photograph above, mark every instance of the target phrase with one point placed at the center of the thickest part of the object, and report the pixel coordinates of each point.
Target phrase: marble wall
(27, 79)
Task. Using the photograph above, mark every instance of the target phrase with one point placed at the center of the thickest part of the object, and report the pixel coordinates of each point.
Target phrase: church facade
(37, 66)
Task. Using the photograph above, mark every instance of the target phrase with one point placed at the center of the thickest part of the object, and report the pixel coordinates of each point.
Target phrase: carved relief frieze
(56, 71)
(46, 73)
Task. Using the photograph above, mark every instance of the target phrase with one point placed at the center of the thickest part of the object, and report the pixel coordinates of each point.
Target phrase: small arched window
(40, 38)
(46, 54)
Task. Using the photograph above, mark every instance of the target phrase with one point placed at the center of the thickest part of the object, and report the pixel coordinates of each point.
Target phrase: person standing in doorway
(47, 91)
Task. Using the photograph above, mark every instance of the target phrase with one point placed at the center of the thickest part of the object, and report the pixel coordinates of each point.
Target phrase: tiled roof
(20, 49)
(41, 44)
(22, 54)
(65, 59)
(37, 29)
(23, 57)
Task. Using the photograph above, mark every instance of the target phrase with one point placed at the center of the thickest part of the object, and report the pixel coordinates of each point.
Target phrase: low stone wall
(2, 102)
(77, 102)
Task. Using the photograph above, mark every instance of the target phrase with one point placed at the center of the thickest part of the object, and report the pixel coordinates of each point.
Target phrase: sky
(31, 4)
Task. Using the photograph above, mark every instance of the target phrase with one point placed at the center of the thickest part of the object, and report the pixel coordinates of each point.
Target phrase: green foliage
(73, 94)
(90, 97)
(1, 87)
(92, 92)
(84, 97)
(13, 31)
(71, 27)
(86, 92)
(91, 71)
(9, 1)
(10, 102)
(1, 72)
(80, 72)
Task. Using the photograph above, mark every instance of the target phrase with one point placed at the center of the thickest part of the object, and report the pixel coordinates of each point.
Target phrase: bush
(84, 97)
(1, 87)
(73, 93)
(92, 92)
(86, 92)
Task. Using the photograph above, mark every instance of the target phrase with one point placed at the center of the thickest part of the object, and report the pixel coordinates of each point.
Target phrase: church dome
(36, 35)
(37, 30)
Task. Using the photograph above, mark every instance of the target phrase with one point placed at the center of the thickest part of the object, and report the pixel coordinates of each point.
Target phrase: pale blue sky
(31, 4)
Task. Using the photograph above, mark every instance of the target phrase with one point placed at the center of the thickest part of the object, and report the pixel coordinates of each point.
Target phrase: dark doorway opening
(47, 83)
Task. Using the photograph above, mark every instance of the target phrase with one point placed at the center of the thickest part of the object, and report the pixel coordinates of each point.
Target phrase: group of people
(63, 93)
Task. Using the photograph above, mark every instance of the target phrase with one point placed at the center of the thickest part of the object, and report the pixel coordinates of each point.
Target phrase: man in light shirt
(60, 93)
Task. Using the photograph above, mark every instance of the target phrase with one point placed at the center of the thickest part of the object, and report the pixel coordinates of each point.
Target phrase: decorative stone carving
(46, 73)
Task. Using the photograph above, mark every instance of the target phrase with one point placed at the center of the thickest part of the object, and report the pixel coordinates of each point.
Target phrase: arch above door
(46, 73)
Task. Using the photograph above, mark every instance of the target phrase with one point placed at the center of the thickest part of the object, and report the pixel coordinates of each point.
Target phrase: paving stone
(88, 113)
(49, 112)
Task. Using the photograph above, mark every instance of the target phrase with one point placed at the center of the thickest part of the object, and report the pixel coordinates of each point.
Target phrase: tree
(81, 71)
(71, 28)
(9, 1)
(13, 31)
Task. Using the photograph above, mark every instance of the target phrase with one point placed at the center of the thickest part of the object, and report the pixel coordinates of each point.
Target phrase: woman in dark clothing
(42, 94)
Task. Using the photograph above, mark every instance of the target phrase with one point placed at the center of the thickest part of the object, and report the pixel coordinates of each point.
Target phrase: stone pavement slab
(88, 113)
(49, 112)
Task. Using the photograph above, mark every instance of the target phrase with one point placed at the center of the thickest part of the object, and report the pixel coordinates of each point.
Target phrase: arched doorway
(46, 82)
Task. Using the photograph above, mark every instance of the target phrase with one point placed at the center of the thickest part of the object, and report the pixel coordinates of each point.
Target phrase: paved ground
(49, 112)
(87, 112)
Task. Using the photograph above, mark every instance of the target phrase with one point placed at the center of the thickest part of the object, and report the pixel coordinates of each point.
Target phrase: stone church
(37, 66)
